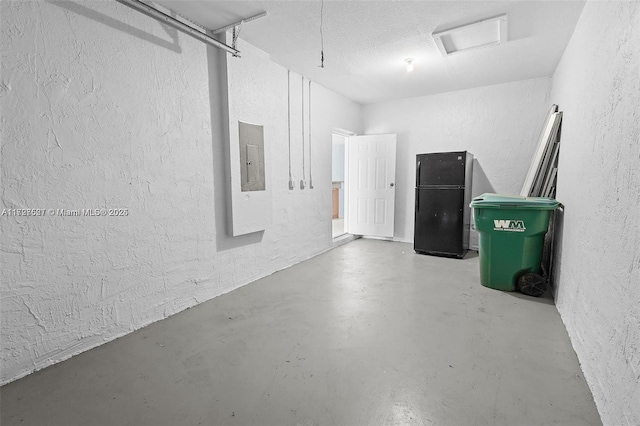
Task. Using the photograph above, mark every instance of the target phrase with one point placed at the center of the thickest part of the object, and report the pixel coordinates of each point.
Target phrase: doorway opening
(338, 187)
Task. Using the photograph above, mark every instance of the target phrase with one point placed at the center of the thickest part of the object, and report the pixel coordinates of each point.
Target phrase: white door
(371, 178)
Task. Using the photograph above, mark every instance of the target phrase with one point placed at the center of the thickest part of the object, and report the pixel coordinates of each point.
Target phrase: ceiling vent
(485, 32)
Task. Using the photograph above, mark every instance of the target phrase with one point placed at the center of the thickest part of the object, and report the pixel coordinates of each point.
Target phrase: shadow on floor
(470, 255)
(546, 298)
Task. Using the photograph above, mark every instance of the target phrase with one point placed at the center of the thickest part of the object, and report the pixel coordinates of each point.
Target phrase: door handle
(418, 174)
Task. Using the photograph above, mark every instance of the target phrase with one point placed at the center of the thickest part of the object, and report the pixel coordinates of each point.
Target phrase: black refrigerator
(442, 212)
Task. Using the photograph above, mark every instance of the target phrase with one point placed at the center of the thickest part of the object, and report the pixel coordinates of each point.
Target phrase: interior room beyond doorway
(338, 184)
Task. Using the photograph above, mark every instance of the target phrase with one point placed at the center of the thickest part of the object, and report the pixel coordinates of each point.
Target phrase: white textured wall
(105, 107)
(498, 124)
(597, 85)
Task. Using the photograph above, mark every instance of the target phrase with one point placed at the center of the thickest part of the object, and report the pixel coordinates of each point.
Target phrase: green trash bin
(511, 236)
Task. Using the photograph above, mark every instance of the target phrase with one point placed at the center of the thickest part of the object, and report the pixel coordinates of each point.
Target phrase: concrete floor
(367, 333)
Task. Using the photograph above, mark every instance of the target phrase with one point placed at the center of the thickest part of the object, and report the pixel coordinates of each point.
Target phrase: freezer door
(439, 221)
(445, 168)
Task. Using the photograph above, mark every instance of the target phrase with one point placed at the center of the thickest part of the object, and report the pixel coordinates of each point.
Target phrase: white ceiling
(366, 42)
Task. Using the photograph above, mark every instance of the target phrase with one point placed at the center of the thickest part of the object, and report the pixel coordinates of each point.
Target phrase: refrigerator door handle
(417, 201)
(418, 174)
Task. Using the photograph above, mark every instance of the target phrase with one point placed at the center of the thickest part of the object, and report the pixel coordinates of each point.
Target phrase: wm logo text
(509, 225)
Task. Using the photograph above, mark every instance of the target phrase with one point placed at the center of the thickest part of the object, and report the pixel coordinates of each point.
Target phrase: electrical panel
(251, 139)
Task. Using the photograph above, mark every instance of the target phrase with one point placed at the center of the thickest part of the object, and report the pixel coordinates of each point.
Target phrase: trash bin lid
(497, 201)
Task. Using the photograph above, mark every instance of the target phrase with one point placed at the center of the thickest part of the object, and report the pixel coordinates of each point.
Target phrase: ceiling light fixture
(485, 32)
(409, 62)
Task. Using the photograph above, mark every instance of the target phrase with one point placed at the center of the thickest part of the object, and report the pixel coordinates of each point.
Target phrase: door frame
(346, 134)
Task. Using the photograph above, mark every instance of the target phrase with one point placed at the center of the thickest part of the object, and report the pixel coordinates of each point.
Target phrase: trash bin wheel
(532, 284)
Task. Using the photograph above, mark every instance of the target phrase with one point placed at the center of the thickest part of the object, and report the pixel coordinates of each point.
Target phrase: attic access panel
(485, 32)
(251, 140)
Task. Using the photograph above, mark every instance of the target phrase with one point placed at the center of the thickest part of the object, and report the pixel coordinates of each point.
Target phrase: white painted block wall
(597, 85)
(103, 107)
(498, 124)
